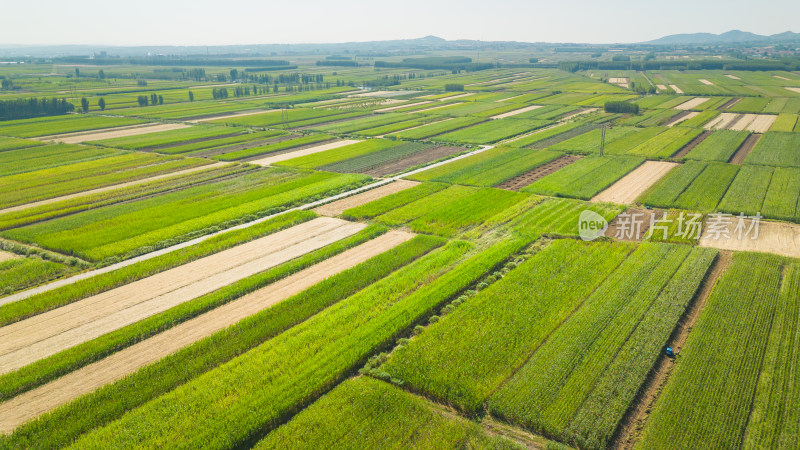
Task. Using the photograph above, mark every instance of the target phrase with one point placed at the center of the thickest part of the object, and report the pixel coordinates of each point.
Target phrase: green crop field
(398, 244)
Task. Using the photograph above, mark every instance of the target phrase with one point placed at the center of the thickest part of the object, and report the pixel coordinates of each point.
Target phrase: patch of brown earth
(414, 160)
(633, 226)
(745, 149)
(520, 181)
(339, 206)
(730, 103)
(691, 145)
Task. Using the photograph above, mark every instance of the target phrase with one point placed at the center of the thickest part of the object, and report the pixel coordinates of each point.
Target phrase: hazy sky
(204, 22)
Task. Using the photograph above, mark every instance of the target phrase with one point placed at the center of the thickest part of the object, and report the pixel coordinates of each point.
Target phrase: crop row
(719, 146)
(776, 149)
(14, 162)
(695, 186)
(492, 131)
(585, 178)
(269, 148)
(69, 124)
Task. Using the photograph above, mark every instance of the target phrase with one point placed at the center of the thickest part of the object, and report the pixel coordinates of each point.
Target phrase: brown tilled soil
(773, 237)
(692, 144)
(413, 160)
(87, 379)
(46, 334)
(730, 103)
(677, 118)
(736, 120)
(745, 149)
(339, 206)
(245, 146)
(520, 181)
(627, 189)
(630, 428)
(628, 233)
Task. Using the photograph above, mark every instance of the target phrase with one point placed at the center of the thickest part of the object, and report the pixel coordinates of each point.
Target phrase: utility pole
(602, 138)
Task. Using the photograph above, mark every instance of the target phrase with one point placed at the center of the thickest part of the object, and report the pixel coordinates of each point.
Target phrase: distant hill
(730, 37)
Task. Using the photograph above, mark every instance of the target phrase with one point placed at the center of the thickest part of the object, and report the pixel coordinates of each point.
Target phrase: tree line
(33, 107)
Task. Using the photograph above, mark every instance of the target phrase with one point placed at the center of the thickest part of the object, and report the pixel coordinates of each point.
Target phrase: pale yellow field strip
(509, 98)
(467, 94)
(371, 94)
(112, 187)
(693, 103)
(122, 133)
(340, 206)
(706, 82)
(618, 80)
(303, 152)
(721, 121)
(773, 237)
(782, 78)
(684, 118)
(732, 77)
(515, 112)
(447, 105)
(631, 186)
(676, 89)
(7, 256)
(579, 113)
(661, 87)
(794, 89)
(231, 116)
(762, 123)
(46, 334)
(54, 137)
(406, 105)
(416, 126)
(83, 381)
(743, 123)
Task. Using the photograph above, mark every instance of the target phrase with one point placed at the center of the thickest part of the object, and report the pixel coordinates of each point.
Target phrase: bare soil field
(246, 145)
(691, 145)
(627, 233)
(782, 78)
(6, 256)
(520, 181)
(676, 89)
(447, 105)
(745, 149)
(405, 105)
(99, 135)
(572, 115)
(46, 334)
(693, 103)
(732, 77)
(414, 160)
(515, 112)
(706, 82)
(773, 237)
(54, 137)
(631, 186)
(680, 117)
(467, 94)
(762, 123)
(722, 121)
(742, 122)
(729, 103)
(111, 188)
(509, 98)
(303, 152)
(335, 208)
(83, 381)
(661, 87)
(796, 90)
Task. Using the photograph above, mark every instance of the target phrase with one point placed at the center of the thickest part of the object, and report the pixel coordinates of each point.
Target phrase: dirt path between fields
(515, 112)
(630, 428)
(83, 381)
(631, 186)
(773, 237)
(339, 206)
(692, 144)
(525, 179)
(7, 256)
(112, 187)
(745, 149)
(101, 135)
(46, 334)
(303, 152)
(680, 117)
